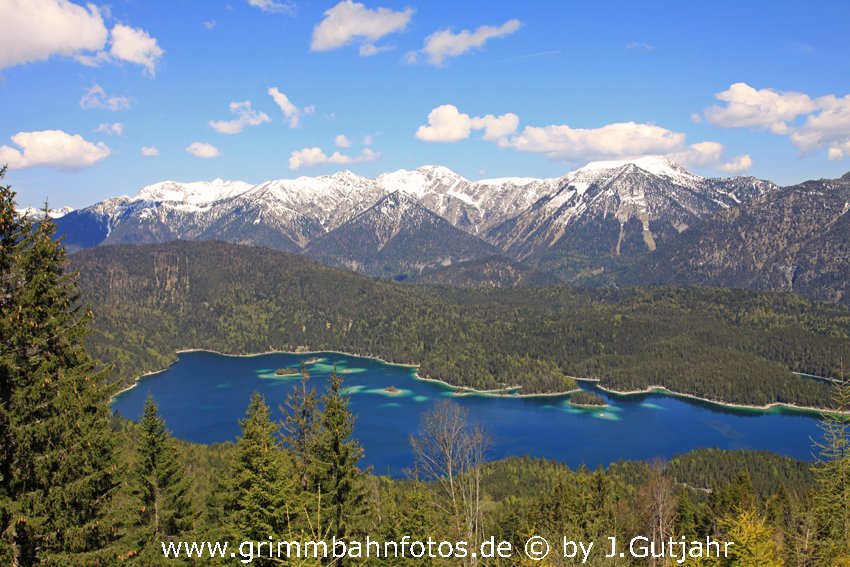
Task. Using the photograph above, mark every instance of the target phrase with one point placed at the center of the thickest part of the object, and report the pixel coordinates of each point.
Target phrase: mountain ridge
(795, 239)
(582, 227)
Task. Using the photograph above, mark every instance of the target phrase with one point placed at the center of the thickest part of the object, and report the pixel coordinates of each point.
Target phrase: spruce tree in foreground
(261, 490)
(300, 427)
(336, 474)
(161, 486)
(57, 457)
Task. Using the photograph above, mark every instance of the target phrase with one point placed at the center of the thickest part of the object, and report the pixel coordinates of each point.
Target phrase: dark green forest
(735, 346)
(80, 486)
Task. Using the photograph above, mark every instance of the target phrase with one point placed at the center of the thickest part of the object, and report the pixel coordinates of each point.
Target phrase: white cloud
(35, 30)
(313, 157)
(150, 151)
(136, 46)
(367, 140)
(342, 142)
(829, 128)
(202, 150)
(52, 148)
(443, 44)
(826, 123)
(839, 151)
(349, 22)
(623, 140)
(701, 154)
(496, 128)
(245, 116)
(737, 164)
(447, 124)
(273, 6)
(96, 97)
(710, 154)
(210, 25)
(765, 109)
(116, 128)
(612, 141)
(289, 110)
(560, 142)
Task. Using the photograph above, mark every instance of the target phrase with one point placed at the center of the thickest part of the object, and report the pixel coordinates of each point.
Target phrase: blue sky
(486, 88)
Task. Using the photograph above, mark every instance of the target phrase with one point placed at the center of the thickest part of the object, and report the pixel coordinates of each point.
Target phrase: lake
(203, 395)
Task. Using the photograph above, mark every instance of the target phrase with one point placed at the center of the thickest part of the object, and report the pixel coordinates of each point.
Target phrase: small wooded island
(392, 390)
(284, 372)
(585, 398)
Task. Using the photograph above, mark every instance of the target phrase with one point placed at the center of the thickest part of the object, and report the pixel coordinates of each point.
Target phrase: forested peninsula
(726, 345)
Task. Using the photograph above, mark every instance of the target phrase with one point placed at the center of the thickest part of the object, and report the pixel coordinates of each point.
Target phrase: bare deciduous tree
(657, 501)
(450, 451)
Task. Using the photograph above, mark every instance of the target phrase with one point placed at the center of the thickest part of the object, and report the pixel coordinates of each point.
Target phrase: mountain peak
(196, 192)
(399, 201)
(437, 171)
(656, 165)
(35, 213)
(345, 174)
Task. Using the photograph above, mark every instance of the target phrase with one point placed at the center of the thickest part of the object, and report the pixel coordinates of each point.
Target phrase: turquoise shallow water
(203, 396)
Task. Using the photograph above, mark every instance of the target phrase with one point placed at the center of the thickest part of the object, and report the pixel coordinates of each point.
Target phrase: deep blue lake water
(203, 396)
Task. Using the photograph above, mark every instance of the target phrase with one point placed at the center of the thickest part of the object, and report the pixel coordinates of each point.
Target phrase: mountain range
(642, 221)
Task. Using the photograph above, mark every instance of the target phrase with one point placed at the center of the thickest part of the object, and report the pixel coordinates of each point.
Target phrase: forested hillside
(724, 345)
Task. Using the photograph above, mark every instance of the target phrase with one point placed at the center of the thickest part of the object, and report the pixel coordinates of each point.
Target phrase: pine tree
(336, 474)
(57, 453)
(261, 489)
(300, 427)
(832, 473)
(161, 485)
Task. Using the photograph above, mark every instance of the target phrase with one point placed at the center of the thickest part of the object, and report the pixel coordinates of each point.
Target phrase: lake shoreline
(496, 393)
(664, 391)
(469, 391)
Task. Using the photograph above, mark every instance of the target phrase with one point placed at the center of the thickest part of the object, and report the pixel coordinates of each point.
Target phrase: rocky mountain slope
(609, 212)
(794, 239)
(397, 237)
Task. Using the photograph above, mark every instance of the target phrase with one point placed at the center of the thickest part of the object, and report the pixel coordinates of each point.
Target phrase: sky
(102, 99)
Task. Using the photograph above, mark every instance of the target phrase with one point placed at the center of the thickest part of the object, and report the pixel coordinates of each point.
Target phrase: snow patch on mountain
(656, 165)
(35, 213)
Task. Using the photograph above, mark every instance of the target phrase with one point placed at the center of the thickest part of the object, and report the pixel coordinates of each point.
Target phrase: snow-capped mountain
(35, 213)
(603, 210)
(472, 206)
(289, 213)
(397, 237)
(609, 210)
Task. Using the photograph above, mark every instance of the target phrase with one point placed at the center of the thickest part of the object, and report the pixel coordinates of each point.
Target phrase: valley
(733, 346)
